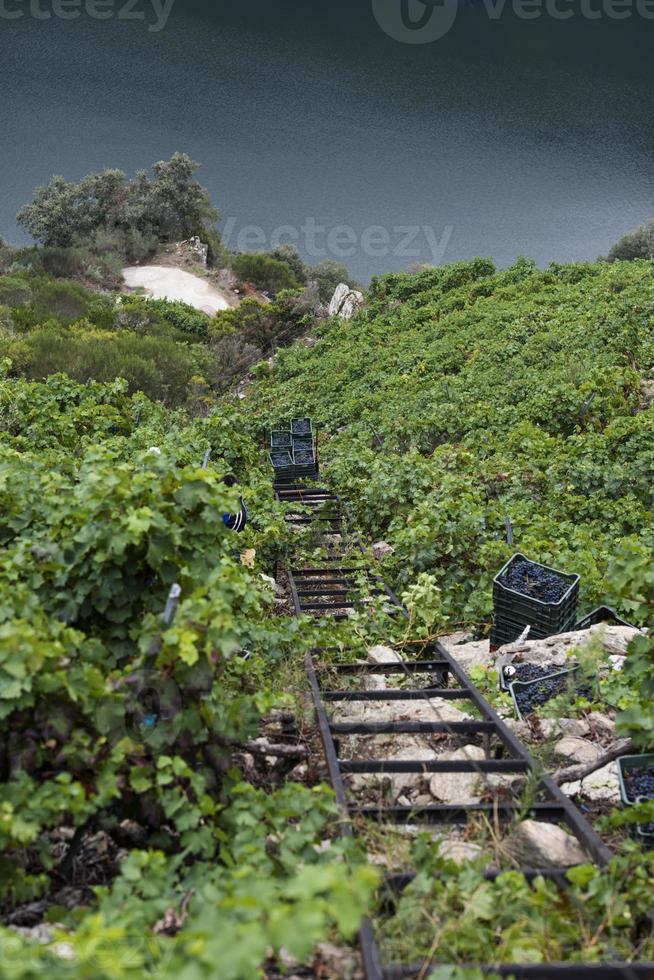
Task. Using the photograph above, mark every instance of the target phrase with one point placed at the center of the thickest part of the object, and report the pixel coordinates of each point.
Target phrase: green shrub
(639, 244)
(264, 272)
(327, 276)
(186, 319)
(14, 291)
(155, 365)
(66, 301)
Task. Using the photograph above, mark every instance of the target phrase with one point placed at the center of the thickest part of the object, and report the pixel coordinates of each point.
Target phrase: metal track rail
(504, 753)
(339, 584)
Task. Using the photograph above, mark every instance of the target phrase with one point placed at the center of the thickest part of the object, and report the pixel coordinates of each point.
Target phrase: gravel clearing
(165, 282)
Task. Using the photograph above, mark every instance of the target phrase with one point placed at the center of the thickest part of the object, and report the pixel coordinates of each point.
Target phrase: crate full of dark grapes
(636, 775)
(533, 685)
(282, 462)
(526, 593)
(281, 439)
(301, 427)
(304, 462)
(302, 442)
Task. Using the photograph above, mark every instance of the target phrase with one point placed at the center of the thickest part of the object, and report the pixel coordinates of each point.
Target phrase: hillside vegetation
(122, 728)
(135, 840)
(463, 395)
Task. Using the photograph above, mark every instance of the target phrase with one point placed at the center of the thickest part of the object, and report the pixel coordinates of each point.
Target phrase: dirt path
(165, 282)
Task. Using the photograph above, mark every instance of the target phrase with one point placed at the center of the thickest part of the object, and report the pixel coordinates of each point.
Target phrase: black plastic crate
(625, 764)
(547, 618)
(281, 461)
(301, 427)
(304, 457)
(603, 614)
(281, 439)
(302, 442)
(506, 631)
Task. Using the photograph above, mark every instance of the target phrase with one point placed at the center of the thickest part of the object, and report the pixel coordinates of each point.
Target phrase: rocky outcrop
(555, 649)
(469, 653)
(345, 302)
(193, 249)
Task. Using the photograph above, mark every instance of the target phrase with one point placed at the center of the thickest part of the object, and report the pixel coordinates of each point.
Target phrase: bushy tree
(290, 255)
(264, 271)
(639, 244)
(105, 211)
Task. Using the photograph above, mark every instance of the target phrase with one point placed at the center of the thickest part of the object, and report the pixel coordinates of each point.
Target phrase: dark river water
(313, 124)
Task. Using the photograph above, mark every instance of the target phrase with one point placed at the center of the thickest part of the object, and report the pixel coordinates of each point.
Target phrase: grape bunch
(529, 698)
(640, 782)
(534, 581)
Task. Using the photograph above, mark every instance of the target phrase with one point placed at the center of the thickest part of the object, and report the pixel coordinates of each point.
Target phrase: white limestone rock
(468, 653)
(601, 786)
(460, 851)
(568, 727)
(555, 650)
(577, 750)
(601, 724)
(383, 655)
(395, 784)
(537, 844)
(458, 787)
(345, 302)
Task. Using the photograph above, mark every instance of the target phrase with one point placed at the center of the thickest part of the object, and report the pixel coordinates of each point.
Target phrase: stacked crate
(513, 610)
(293, 452)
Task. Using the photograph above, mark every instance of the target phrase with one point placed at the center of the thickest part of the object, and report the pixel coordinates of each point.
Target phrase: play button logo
(415, 21)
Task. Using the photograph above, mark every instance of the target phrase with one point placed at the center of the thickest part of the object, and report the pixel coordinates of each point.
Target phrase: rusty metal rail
(504, 753)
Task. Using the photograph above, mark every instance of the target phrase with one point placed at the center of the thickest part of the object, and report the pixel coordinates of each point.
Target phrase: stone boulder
(563, 727)
(427, 709)
(460, 851)
(383, 655)
(381, 549)
(554, 650)
(394, 784)
(458, 787)
(577, 750)
(602, 725)
(469, 653)
(602, 786)
(537, 845)
(345, 302)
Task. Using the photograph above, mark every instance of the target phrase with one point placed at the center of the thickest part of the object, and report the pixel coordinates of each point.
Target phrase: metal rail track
(332, 588)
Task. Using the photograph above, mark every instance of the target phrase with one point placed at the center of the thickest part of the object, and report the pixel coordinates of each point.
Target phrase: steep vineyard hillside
(462, 396)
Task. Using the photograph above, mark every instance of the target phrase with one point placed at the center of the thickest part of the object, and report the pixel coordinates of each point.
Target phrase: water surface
(505, 137)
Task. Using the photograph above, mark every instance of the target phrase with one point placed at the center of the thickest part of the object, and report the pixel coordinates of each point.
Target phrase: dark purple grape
(534, 581)
(640, 782)
(537, 694)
